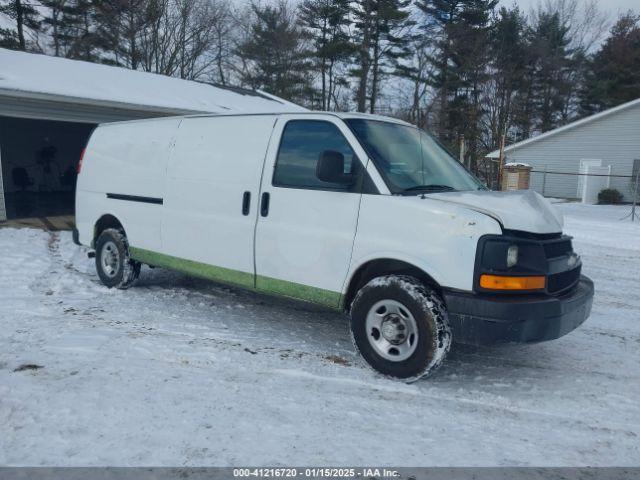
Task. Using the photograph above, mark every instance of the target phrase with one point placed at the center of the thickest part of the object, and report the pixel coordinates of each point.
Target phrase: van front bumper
(481, 319)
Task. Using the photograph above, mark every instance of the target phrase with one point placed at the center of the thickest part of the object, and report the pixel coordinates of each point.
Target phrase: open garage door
(41, 136)
(39, 159)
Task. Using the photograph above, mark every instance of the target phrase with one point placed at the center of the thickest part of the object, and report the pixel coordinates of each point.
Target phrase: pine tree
(53, 20)
(363, 13)
(461, 68)
(552, 58)
(25, 15)
(442, 16)
(391, 39)
(471, 60)
(9, 39)
(381, 40)
(279, 60)
(120, 26)
(508, 69)
(327, 21)
(71, 27)
(613, 74)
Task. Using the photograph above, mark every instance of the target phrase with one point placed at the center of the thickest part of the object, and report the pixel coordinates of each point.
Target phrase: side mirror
(330, 168)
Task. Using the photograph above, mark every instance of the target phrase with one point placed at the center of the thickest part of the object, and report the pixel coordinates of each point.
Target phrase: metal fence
(563, 184)
(571, 185)
(554, 183)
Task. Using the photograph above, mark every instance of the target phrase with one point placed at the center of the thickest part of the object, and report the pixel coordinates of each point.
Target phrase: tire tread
(430, 301)
(130, 267)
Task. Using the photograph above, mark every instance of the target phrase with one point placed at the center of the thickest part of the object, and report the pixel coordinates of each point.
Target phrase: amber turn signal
(496, 282)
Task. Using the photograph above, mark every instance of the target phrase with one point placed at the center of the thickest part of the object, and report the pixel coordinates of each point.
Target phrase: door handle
(264, 204)
(246, 203)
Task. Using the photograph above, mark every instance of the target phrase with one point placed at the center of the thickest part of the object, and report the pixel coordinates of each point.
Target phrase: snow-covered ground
(177, 371)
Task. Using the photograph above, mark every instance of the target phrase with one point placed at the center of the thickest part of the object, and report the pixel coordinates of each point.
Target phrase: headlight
(510, 264)
(512, 256)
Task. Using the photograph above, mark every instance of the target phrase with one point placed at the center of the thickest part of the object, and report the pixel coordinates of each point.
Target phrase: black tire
(425, 315)
(122, 271)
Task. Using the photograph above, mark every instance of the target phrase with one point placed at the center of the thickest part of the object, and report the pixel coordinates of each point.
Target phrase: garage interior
(39, 160)
(40, 145)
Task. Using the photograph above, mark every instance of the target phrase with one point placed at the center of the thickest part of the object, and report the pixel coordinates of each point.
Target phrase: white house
(49, 106)
(610, 138)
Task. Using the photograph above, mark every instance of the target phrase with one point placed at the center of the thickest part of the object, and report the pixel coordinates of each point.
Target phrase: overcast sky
(612, 6)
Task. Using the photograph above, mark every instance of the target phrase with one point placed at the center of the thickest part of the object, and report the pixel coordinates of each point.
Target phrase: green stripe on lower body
(297, 290)
(241, 279)
(197, 269)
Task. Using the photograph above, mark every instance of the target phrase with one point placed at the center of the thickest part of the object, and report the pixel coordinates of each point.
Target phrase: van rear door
(306, 227)
(213, 181)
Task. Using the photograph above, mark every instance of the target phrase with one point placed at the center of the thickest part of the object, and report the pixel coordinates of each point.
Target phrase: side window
(302, 143)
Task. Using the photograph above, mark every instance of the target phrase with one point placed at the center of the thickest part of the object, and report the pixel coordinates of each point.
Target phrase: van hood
(523, 210)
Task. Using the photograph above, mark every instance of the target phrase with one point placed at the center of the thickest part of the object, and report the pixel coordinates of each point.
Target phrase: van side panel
(215, 161)
(123, 174)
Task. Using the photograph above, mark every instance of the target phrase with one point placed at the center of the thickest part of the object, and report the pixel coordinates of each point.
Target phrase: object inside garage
(39, 160)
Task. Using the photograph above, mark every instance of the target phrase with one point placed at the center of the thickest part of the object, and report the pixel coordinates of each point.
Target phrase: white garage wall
(615, 139)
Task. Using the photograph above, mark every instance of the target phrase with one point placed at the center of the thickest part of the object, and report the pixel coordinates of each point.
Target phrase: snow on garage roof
(34, 75)
(578, 123)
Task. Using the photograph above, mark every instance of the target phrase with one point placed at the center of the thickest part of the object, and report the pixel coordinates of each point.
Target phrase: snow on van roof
(29, 74)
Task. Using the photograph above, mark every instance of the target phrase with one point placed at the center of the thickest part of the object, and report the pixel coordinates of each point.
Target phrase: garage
(41, 138)
(50, 105)
(39, 159)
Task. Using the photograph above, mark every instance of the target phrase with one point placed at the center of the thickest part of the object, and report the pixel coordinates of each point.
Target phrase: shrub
(609, 196)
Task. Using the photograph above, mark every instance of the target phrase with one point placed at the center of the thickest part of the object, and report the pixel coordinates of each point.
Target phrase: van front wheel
(114, 265)
(400, 327)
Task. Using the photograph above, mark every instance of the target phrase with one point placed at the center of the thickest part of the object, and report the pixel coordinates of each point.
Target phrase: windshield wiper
(429, 188)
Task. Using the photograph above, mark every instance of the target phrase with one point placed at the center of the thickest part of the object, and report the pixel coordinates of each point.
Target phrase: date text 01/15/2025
(315, 472)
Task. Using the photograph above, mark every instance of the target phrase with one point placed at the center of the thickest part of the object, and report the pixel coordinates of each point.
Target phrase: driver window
(302, 143)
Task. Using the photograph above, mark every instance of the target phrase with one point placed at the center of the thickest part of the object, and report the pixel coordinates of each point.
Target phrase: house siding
(614, 139)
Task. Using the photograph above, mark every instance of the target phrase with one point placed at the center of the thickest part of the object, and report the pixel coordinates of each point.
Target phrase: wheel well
(106, 221)
(385, 266)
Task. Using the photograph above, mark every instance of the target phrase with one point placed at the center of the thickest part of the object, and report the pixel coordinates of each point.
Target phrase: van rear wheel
(400, 327)
(114, 265)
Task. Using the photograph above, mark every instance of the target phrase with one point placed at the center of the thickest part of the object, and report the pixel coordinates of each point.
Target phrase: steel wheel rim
(392, 330)
(110, 259)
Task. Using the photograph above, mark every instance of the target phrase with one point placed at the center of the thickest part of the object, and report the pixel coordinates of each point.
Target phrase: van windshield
(410, 160)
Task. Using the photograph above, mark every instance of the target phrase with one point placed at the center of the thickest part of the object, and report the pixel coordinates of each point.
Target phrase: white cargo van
(364, 214)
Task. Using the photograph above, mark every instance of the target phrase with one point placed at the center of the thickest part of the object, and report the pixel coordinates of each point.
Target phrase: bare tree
(223, 24)
(587, 23)
(417, 70)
